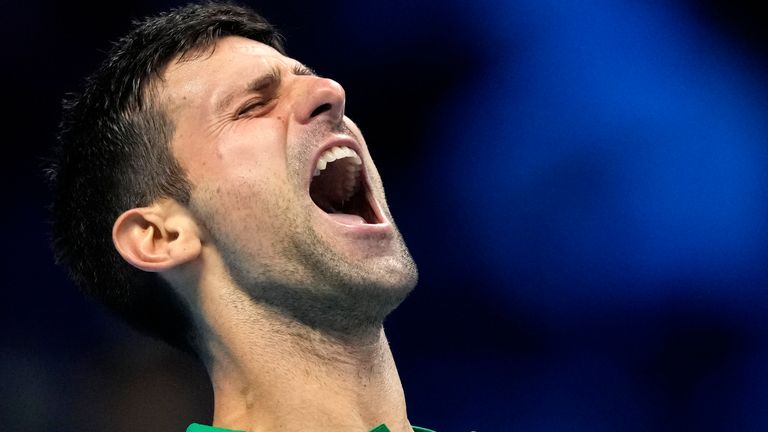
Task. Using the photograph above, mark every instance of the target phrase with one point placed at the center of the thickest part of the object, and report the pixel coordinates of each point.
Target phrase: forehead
(232, 60)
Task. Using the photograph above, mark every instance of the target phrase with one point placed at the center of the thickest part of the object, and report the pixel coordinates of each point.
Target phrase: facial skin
(250, 154)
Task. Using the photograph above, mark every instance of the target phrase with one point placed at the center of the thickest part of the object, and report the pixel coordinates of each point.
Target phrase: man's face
(284, 184)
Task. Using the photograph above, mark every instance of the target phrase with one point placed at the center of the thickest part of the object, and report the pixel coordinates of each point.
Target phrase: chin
(390, 282)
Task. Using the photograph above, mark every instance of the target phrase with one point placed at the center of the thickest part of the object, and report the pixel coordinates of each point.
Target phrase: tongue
(347, 219)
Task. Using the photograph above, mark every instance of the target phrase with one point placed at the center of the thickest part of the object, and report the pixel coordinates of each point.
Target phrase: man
(210, 190)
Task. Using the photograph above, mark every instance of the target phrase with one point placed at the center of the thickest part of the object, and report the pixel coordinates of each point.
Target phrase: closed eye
(249, 107)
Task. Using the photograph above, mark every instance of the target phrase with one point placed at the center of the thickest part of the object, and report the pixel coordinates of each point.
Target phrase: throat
(339, 380)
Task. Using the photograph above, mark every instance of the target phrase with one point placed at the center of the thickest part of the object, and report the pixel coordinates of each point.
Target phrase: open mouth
(338, 187)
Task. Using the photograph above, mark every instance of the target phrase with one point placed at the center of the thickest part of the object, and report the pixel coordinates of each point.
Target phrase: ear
(157, 238)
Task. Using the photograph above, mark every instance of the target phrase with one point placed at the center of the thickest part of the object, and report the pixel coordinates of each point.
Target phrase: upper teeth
(334, 154)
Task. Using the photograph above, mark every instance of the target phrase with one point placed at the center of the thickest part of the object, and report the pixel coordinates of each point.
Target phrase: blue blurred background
(584, 186)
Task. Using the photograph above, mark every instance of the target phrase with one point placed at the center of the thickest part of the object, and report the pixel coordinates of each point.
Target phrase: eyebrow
(271, 79)
(300, 69)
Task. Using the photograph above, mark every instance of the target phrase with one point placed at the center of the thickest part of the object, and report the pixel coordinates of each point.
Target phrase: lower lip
(347, 219)
(348, 226)
(356, 224)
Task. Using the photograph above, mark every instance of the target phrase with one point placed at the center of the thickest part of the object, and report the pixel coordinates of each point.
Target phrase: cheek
(242, 176)
(247, 149)
(247, 217)
(260, 140)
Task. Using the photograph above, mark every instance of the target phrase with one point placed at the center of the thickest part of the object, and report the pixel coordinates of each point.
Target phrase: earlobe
(156, 238)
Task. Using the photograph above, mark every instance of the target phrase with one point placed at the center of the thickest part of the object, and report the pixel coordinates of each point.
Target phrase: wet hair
(113, 154)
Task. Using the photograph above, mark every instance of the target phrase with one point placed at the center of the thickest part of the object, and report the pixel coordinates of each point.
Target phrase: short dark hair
(113, 154)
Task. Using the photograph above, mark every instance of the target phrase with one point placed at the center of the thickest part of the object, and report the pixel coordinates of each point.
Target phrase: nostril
(321, 109)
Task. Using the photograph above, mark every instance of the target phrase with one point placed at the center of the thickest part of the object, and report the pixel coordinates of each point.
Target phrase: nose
(322, 98)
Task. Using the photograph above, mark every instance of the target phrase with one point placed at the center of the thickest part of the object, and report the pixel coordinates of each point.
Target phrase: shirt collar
(196, 427)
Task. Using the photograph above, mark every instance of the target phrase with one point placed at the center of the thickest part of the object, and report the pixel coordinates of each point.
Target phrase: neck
(271, 373)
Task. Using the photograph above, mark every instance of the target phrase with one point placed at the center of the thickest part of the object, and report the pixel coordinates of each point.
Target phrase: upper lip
(335, 141)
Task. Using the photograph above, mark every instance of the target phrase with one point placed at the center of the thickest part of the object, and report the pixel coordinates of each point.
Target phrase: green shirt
(195, 427)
